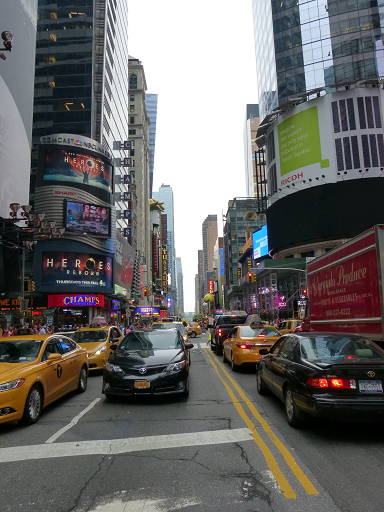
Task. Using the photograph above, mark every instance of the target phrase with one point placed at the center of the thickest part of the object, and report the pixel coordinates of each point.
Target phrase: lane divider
(271, 461)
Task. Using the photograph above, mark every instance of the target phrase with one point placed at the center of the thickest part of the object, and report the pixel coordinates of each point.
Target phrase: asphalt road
(225, 448)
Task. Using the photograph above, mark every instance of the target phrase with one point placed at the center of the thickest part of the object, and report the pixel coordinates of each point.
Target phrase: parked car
(149, 362)
(324, 375)
(244, 342)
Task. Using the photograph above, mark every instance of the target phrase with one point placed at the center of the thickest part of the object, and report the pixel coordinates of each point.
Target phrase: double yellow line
(271, 461)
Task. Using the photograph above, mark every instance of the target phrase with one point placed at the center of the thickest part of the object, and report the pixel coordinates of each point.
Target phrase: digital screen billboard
(77, 168)
(260, 243)
(63, 270)
(87, 218)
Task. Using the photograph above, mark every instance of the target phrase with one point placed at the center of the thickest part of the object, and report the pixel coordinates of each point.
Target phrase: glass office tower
(305, 45)
(151, 104)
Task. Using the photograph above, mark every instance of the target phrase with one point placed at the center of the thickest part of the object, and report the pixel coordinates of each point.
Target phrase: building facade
(151, 103)
(209, 232)
(165, 196)
(180, 287)
(253, 155)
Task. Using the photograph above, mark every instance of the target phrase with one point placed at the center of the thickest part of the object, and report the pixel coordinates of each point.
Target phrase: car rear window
(339, 348)
(254, 332)
(93, 336)
(231, 320)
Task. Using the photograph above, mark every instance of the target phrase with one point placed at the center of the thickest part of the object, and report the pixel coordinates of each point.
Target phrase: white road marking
(53, 438)
(142, 506)
(118, 446)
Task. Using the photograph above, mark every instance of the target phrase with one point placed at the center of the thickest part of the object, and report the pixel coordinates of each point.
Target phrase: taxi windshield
(19, 351)
(94, 336)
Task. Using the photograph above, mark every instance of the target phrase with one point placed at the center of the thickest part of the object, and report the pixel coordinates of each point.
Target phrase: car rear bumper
(353, 409)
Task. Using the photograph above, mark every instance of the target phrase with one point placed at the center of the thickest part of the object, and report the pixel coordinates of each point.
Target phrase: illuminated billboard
(65, 270)
(84, 218)
(260, 243)
(74, 167)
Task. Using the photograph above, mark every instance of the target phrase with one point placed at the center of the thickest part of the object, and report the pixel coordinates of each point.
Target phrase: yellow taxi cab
(194, 329)
(173, 325)
(36, 370)
(245, 341)
(287, 326)
(97, 341)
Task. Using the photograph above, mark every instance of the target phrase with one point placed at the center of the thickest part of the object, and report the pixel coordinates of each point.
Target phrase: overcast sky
(199, 57)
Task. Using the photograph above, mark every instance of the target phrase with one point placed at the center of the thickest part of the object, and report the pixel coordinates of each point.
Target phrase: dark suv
(222, 326)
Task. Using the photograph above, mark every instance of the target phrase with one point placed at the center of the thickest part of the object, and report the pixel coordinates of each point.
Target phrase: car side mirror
(113, 347)
(52, 358)
(263, 351)
(189, 345)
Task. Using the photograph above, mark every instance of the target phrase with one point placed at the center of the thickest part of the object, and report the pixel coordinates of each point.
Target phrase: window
(65, 345)
(131, 120)
(132, 97)
(131, 152)
(51, 348)
(133, 81)
(132, 108)
(287, 347)
(132, 132)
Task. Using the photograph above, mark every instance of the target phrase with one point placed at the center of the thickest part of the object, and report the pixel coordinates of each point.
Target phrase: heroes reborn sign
(74, 167)
(68, 269)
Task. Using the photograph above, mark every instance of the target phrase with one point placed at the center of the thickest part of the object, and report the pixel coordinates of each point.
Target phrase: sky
(199, 57)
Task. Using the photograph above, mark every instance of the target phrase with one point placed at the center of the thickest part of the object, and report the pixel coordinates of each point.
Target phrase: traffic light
(249, 277)
(147, 292)
(27, 285)
(32, 286)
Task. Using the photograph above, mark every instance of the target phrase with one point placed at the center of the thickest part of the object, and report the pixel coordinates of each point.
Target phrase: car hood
(13, 371)
(145, 357)
(91, 348)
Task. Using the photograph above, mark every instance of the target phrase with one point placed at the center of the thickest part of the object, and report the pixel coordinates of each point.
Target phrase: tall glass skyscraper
(81, 74)
(151, 104)
(305, 45)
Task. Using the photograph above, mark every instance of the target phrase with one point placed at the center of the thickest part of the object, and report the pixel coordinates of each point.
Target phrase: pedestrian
(43, 330)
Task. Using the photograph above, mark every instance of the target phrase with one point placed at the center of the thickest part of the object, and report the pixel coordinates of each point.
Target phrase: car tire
(83, 380)
(185, 393)
(192, 334)
(292, 413)
(218, 349)
(234, 366)
(189, 357)
(212, 346)
(261, 387)
(33, 405)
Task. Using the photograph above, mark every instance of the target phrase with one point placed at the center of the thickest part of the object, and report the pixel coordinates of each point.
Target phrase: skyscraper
(151, 103)
(301, 46)
(180, 286)
(209, 232)
(165, 195)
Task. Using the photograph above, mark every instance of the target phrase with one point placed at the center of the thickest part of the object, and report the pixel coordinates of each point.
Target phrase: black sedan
(324, 375)
(148, 362)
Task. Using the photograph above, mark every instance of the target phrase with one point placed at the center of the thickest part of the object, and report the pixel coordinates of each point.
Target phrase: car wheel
(219, 349)
(234, 366)
(83, 380)
(261, 387)
(186, 391)
(192, 334)
(291, 411)
(212, 346)
(189, 357)
(33, 405)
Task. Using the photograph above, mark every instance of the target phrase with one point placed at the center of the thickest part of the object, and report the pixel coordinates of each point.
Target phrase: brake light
(260, 335)
(317, 383)
(332, 383)
(220, 332)
(245, 345)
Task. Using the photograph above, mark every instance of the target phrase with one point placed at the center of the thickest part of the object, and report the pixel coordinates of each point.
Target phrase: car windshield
(232, 320)
(334, 348)
(19, 351)
(94, 336)
(169, 325)
(254, 332)
(160, 340)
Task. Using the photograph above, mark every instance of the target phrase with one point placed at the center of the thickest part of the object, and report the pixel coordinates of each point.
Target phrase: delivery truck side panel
(345, 287)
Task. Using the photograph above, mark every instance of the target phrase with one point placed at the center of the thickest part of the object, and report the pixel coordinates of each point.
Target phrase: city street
(225, 448)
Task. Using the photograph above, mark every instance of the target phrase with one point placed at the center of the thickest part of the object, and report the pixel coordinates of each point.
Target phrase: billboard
(124, 262)
(84, 218)
(260, 243)
(65, 270)
(74, 167)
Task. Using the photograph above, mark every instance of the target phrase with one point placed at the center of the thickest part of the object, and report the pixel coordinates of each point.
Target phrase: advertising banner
(87, 218)
(69, 269)
(75, 300)
(124, 263)
(345, 297)
(260, 243)
(75, 167)
(164, 272)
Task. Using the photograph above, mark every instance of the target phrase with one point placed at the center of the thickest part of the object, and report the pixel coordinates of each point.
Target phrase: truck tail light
(220, 332)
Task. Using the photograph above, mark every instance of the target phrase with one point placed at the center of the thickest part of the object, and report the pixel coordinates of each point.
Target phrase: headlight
(113, 368)
(12, 385)
(101, 351)
(175, 367)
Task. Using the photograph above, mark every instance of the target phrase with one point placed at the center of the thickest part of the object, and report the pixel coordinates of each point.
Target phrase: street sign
(127, 231)
(127, 214)
(127, 144)
(127, 178)
(127, 162)
(127, 196)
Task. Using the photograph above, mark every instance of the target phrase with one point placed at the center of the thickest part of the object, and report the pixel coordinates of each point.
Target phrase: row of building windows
(65, 69)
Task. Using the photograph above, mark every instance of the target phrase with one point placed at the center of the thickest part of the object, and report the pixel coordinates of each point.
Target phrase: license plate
(142, 384)
(370, 386)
